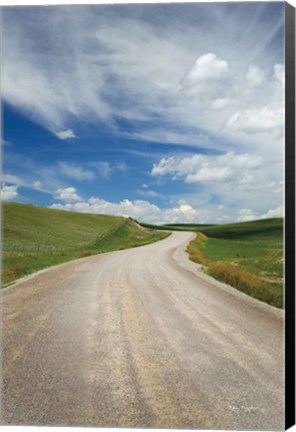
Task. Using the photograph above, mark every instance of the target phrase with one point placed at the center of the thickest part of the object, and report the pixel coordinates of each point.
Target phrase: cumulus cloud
(66, 134)
(207, 77)
(181, 212)
(209, 169)
(67, 194)
(8, 192)
(74, 171)
(137, 209)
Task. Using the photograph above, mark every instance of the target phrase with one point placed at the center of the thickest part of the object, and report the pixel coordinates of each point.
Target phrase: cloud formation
(67, 195)
(246, 215)
(197, 75)
(89, 72)
(209, 169)
(9, 192)
(137, 209)
(207, 78)
(144, 211)
(254, 121)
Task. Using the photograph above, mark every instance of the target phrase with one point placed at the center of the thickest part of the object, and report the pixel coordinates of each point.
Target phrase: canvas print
(143, 202)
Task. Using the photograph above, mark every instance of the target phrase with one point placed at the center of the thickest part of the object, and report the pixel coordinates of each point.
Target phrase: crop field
(35, 237)
(248, 256)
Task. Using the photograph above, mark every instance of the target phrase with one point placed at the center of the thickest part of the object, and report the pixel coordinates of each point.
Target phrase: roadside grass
(247, 256)
(35, 238)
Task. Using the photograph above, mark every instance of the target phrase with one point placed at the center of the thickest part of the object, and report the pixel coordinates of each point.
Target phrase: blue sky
(166, 113)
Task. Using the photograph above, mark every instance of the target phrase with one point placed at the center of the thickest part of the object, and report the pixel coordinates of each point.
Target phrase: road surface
(140, 338)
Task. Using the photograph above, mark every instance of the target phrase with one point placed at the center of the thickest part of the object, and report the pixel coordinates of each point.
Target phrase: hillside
(263, 229)
(176, 227)
(247, 255)
(36, 237)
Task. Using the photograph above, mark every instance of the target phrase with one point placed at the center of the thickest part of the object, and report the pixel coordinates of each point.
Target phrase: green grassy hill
(259, 229)
(36, 237)
(247, 255)
(176, 227)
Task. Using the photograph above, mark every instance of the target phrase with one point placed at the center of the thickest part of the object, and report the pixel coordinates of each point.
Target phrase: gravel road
(140, 338)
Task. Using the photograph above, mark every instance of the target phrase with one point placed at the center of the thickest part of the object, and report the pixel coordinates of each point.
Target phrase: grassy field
(248, 256)
(176, 227)
(35, 237)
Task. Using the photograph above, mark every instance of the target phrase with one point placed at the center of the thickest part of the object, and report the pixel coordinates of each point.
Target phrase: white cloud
(246, 215)
(66, 134)
(9, 192)
(209, 169)
(138, 209)
(207, 77)
(257, 120)
(8, 178)
(183, 212)
(273, 213)
(255, 76)
(67, 194)
(75, 171)
(37, 185)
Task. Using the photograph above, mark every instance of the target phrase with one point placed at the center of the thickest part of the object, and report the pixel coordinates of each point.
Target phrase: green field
(36, 237)
(176, 227)
(248, 256)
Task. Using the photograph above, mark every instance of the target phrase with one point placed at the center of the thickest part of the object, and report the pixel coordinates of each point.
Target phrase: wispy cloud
(139, 73)
(148, 193)
(74, 171)
(9, 178)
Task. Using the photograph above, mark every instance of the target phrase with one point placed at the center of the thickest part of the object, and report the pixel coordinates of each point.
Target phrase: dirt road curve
(138, 338)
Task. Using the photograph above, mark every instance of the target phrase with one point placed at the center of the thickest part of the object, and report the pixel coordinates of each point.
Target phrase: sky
(162, 112)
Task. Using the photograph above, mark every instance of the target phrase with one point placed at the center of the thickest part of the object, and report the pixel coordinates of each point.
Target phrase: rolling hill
(36, 237)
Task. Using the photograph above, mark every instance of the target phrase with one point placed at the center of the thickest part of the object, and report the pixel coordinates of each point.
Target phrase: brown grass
(246, 282)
